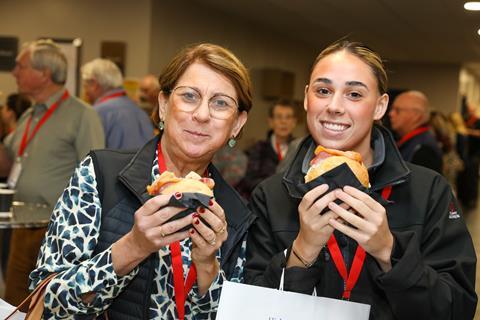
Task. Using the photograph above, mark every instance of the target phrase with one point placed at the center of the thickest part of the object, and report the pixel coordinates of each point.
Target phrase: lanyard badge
(28, 137)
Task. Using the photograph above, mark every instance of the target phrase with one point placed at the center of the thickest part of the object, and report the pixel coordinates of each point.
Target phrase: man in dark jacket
(265, 155)
(409, 118)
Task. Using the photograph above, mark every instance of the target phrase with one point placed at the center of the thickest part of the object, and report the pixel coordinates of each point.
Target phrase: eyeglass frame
(236, 109)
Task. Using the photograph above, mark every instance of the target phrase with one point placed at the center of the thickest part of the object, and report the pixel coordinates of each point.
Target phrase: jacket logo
(452, 211)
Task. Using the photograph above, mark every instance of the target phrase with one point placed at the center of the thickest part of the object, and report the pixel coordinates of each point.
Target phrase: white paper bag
(6, 309)
(241, 301)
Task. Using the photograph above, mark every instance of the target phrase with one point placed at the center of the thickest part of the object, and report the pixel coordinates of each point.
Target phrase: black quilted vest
(122, 178)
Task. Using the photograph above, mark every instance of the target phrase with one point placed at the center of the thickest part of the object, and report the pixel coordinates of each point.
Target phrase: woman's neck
(366, 152)
(176, 163)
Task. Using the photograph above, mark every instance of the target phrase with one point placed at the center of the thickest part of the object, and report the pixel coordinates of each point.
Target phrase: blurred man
(409, 118)
(126, 125)
(148, 91)
(50, 140)
(264, 156)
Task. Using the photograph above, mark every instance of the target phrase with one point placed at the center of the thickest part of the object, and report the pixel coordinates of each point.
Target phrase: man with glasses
(49, 141)
(264, 156)
(409, 117)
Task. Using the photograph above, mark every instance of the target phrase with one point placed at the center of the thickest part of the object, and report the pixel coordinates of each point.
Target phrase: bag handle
(36, 306)
(282, 278)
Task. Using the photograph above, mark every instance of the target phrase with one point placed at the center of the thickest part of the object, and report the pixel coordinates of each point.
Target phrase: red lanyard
(350, 279)
(181, 290)
(279, 151)
(412, 134)
(25, 139)
(471, 121)
(111, 96)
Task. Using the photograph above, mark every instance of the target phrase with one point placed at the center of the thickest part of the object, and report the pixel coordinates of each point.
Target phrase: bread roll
(169, 183)
(327, 159)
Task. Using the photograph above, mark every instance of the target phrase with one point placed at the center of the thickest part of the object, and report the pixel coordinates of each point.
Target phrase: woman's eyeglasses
(188, 99)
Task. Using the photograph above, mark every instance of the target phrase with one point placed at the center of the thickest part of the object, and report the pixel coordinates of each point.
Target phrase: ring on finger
(162, 234)
(213, 242)
(224, 228)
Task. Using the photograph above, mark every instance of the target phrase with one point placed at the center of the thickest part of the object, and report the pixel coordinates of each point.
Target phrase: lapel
(137, 173)
(392, 171)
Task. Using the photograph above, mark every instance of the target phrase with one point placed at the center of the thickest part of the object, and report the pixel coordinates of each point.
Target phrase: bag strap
(37, 299)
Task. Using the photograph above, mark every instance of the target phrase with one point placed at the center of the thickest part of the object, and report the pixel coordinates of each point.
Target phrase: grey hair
(420, 103)
(45, 54)
(104, 71)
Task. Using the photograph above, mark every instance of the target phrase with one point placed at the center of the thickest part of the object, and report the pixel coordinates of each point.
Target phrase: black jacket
(423, 150)
(433, 274)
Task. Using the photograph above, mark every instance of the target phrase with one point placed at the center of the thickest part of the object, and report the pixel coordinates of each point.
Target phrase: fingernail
(201, 210)
(192, 231)
(195, 215)
(210, 202)
(196, 221)
(178, 195)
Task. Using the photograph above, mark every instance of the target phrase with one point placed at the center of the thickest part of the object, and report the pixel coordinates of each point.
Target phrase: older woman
(113, 249)
(410, 258)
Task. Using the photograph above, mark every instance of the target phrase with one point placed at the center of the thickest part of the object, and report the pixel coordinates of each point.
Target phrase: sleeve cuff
(406, 264)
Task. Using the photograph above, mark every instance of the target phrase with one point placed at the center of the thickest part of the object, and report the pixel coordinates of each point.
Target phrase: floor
(473, 222)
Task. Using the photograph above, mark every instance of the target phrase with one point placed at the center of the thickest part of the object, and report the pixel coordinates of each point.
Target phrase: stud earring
(161, 125)
(232, 142)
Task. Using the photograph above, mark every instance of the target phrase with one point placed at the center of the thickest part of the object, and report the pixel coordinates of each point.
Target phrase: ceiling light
(472, 6)
(478, 31)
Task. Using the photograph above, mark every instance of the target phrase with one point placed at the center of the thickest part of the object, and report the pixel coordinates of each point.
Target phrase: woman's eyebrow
(356, 83)
(323, 80)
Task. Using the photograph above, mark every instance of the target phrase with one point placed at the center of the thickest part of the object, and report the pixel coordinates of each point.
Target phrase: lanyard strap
(412, 134)
(279, 151)
(180, 286)
(350, 279)
(25, 138)
(181, 290)
(113, 95)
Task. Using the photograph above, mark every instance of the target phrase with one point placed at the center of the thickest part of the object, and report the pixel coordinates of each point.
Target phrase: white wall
(470, 87)
(93, 21)
(440, 82)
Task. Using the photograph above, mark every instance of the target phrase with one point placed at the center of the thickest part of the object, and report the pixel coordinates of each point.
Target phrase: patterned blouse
(68, 248)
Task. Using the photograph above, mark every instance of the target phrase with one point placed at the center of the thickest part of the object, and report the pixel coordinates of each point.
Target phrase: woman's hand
(150, 232)
(207, 238)
(314, 227)
(368, 224)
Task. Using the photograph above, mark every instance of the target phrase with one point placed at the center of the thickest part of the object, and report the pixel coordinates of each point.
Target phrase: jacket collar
(137, 174)
(391, 171)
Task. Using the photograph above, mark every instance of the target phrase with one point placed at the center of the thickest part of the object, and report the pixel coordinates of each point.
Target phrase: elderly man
(409, 118)
(126, 125)
(50, 140)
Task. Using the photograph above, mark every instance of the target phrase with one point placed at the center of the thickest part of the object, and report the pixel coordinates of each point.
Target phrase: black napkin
(190, 201)
(337, 178)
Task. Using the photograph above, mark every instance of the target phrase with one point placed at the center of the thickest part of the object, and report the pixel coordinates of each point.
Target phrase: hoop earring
(161, 125)
(232, 142)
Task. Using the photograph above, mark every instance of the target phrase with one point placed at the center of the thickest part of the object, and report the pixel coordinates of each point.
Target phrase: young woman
(412, 258)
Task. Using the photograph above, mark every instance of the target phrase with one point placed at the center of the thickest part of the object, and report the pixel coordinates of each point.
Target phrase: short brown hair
(364, 53)
(216, 57)
(289, 103)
